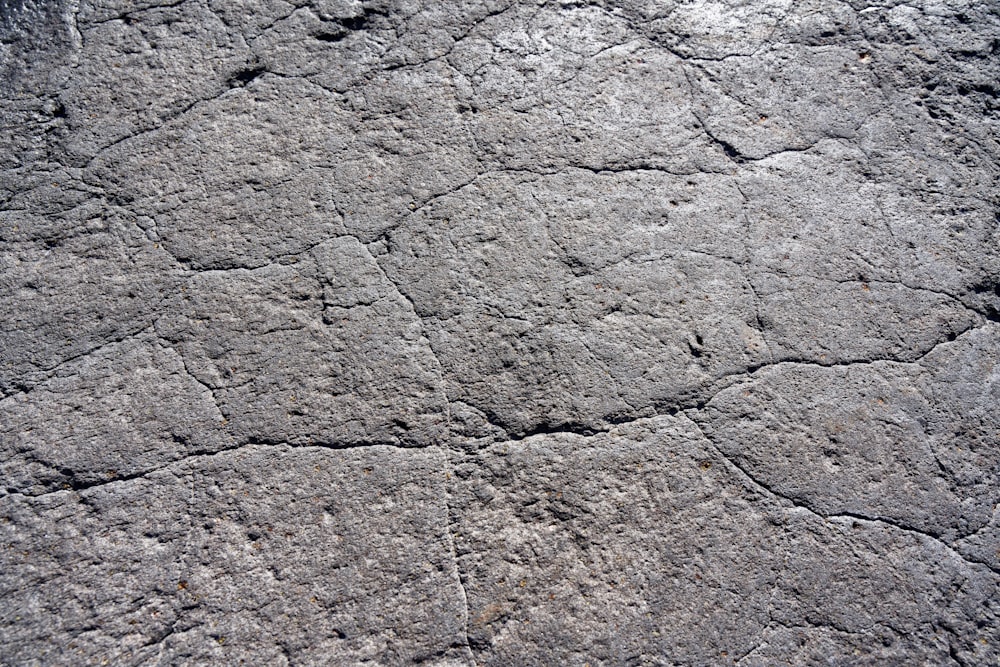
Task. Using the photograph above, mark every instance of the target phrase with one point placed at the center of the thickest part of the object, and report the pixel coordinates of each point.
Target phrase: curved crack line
(20, 388)
(165, 345)
(854, 516)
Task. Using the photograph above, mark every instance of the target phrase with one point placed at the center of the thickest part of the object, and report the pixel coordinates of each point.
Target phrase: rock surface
(595, 332)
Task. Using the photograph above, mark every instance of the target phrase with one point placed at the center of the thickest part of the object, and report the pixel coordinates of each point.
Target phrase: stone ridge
(486, 332)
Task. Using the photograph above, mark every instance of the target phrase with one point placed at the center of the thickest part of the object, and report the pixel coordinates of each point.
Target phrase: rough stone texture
(499, 333)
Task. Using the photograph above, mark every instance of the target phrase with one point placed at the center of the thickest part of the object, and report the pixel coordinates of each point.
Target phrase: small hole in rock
(330, 36)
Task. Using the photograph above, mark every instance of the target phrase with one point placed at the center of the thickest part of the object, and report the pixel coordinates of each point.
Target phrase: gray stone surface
(378, 332)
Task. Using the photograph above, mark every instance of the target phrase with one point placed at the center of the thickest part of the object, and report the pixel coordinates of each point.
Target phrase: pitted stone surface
(499, 333)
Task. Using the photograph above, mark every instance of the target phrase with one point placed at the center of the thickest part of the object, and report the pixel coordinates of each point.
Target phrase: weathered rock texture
(500, 333)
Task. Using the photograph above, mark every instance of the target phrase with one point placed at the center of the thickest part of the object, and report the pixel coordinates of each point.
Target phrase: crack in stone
(238, 79)
(746, 272)
(21, 388)
(460, 578)
(884, 281)
(78, 486)
(799, 504)
(131, 13)
(696, 402)
(423, 329)
(164, 344)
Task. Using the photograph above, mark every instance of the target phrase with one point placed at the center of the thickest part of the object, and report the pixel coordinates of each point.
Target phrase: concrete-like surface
(601, 332)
